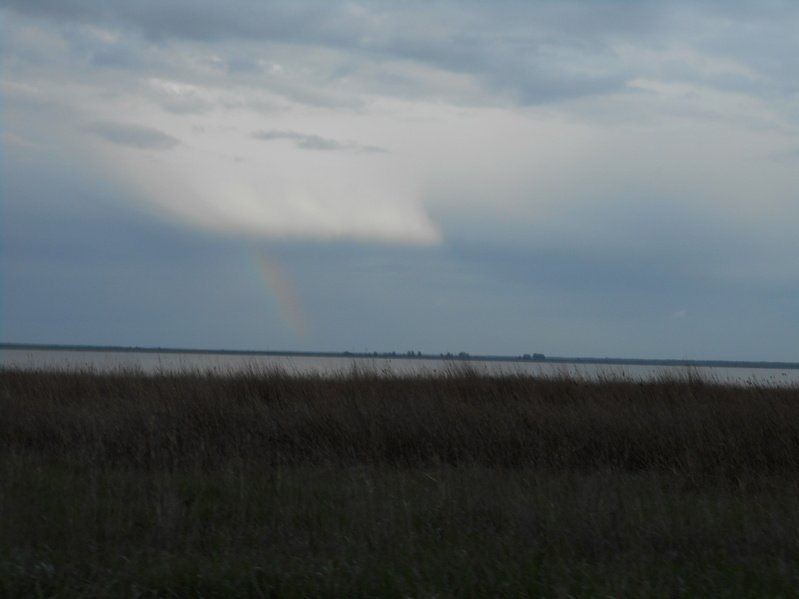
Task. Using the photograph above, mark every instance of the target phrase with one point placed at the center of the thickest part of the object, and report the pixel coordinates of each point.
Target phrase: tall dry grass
(371, 485)
(201, 421)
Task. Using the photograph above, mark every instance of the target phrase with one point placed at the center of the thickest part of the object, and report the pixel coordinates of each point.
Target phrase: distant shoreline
(406, 356)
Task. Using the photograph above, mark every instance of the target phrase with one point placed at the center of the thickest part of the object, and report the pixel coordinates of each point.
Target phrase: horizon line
(461, 356)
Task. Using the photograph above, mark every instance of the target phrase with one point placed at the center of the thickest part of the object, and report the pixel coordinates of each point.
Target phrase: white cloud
(527, 113)
(224, 179)
(179, 98)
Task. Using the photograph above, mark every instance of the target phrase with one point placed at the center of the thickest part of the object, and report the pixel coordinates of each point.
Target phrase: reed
(366, 484)
(201, 421)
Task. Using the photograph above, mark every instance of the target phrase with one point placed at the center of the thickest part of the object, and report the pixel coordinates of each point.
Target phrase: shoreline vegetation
(463, 484)
(412, 355)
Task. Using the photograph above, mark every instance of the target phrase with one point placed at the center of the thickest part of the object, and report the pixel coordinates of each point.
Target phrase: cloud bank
(565, 164)
(483, 109)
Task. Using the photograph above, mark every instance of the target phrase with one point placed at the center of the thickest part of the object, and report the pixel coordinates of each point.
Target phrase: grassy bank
(266, 484)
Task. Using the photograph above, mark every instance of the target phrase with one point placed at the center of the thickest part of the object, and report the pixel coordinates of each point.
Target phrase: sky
(574, 178)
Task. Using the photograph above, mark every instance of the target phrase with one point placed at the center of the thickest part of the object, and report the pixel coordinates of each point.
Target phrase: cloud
(202, 20)
(15, 140)
(315, 142)
(531, 54)
(576, 172)
(132, 136)
(115, 58)
(178, 98)
(534, 54)
(239, 186)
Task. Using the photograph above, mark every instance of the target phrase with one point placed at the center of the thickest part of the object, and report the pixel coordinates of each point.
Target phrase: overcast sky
(603, 179)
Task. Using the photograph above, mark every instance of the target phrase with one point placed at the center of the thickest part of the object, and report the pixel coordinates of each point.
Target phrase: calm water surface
(154, 362)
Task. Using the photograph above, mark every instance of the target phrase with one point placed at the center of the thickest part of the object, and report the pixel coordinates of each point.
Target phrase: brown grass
(460, 485)
(203, 421)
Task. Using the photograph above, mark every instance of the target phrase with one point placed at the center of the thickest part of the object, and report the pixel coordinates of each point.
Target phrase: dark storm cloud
(203, 21)
(112, 52)
(752, 46)
(315, 142)
(533, 52)
(132, 136)
(539, 52)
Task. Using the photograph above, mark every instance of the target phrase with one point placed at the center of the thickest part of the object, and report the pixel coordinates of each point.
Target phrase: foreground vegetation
(267, 484)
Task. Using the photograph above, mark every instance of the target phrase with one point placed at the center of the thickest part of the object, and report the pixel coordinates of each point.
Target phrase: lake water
(226, 363)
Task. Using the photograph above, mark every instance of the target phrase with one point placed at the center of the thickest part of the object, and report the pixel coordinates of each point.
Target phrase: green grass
(271, 485)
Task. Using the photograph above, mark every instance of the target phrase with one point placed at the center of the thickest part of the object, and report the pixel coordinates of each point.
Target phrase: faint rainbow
(279, 286)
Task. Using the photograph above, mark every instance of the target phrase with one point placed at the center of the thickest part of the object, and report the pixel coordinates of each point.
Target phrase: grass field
(267, 484)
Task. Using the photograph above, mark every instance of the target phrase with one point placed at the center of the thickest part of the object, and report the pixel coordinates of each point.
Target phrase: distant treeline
(412, 355)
